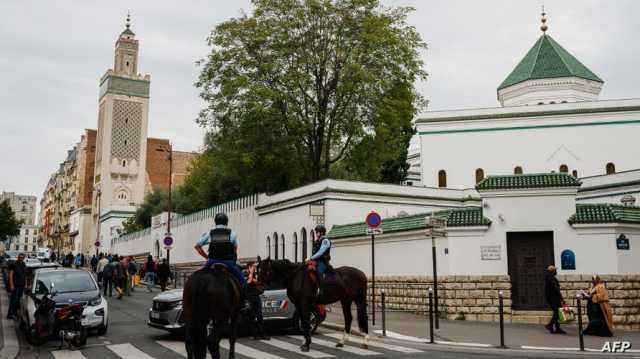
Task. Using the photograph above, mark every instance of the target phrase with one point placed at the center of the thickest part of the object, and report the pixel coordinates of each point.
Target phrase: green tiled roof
(605, 213)
(463, 217)
(533, 180)
(128, 32)
(547, 59)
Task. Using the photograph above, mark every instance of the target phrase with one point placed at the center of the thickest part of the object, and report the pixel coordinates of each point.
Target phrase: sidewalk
(10, 347)
(414, 327)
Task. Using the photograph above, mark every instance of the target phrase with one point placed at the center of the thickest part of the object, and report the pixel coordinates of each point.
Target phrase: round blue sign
(373, 220)
(168, 241)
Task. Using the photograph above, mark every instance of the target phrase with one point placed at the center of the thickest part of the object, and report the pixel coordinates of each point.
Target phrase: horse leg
(213, 340)
(348, 318)
(363, 323)
(233, 328)
(305, 318)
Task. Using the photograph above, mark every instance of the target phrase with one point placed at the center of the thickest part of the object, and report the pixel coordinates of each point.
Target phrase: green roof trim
(547, 59)
(525, 181)
(128, 32)
(458, 217)
(593, 213)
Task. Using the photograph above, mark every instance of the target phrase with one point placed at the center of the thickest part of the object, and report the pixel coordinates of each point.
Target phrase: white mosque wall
(535, 144)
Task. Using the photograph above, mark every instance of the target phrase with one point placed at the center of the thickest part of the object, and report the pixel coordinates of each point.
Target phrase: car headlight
(176, 304)
(96, 301)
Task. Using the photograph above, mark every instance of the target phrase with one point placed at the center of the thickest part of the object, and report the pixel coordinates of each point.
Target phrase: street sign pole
(435, 279)
(436, 228)
(373, 280)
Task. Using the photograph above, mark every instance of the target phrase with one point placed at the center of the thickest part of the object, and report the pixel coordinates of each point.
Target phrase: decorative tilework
(126, 130)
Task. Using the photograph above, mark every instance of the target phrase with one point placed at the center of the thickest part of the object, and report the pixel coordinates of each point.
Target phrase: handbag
(566, 314)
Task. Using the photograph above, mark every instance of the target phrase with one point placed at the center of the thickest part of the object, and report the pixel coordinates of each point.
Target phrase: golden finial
(544, 21)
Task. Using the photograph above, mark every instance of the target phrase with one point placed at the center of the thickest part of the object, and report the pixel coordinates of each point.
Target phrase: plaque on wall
(490, 253)
(622, 242)
(568, 260)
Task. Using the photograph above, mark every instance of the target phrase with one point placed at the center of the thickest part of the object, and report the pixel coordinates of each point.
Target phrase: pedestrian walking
(164, 274)
(254, 290)
(102, 262)
(107, 279)
(554, 299)
(17, 282)
(94, 263)
(118, 275)
(69, 258)
(598, 309)
(53, 257)
(132, 270)
(77, 261)
(150, 273)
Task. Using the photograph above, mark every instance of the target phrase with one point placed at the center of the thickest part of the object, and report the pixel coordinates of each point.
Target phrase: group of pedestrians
(599, 312)
(117, 273)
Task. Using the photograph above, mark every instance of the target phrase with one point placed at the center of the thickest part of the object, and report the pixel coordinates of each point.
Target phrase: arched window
(295, 247)
(313, 237)
(517, 170)
(611, 168)
(479, 175)
(575, 173)
(275, 245)
(124, 163)
(442, 178)
(564, 169)
(284, 256)
(268, 247)
(304, 244)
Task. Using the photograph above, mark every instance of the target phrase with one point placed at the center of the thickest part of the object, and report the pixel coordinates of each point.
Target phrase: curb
(10, 339)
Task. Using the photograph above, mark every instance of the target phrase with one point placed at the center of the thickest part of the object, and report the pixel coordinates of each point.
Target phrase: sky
(53, 53)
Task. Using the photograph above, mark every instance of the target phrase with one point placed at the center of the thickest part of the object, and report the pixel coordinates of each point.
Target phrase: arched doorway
(304, 244)
(282, 242)
(295, 247)
(275, 245)
(157, 249)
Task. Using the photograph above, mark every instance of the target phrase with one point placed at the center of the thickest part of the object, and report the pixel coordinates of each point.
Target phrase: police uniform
(222, 243)
(321, 253)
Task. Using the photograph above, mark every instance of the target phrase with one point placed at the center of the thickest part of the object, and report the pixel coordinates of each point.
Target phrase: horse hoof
(304, 348)
(339, 345)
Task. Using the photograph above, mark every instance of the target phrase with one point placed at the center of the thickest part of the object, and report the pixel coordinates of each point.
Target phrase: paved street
(129, 337)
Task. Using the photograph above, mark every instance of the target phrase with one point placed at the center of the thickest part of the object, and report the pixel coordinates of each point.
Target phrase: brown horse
(210, 295)
(302, 288)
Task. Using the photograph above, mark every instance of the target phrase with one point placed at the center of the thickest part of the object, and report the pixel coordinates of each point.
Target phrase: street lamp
(169, 151)
(97, 242)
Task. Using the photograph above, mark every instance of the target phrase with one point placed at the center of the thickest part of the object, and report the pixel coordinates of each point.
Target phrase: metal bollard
(580, 335)
(384, 314)
(501, 313)
(431, 315)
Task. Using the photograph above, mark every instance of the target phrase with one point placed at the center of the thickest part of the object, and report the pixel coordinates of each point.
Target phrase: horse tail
(197, 330)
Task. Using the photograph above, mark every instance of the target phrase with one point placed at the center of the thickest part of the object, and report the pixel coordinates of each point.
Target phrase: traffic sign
(97, 243)
(371, 231)
(373, 220)
(435, 233)
(168, 240)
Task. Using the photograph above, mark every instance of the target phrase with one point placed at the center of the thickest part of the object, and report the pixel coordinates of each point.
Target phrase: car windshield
(64, 282)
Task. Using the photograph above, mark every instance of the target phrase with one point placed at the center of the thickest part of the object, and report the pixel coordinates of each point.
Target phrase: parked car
(72, 286)
(278, 312)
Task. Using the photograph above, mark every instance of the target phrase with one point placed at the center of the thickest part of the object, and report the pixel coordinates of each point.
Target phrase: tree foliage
(155, 203)
(303, 90)
(9, 225)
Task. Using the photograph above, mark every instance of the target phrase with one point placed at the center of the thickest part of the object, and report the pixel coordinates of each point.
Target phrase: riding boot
(321, 288)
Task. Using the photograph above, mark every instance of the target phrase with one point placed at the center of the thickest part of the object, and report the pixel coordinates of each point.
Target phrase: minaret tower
(121, 143)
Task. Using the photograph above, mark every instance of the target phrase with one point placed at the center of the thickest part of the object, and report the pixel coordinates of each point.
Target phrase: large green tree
(9, 225)
(302, 90)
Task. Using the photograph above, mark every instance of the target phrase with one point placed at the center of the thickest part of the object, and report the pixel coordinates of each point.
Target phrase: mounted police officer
(321, 254)
(223, 247)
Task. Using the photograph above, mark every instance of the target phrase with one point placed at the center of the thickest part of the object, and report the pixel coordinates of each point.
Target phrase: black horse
(301, 286)
(210, 295)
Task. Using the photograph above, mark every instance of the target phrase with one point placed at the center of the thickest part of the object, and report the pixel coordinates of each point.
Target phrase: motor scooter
(66, 321)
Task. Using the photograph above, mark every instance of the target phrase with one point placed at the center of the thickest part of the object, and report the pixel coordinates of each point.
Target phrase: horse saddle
(330, 277)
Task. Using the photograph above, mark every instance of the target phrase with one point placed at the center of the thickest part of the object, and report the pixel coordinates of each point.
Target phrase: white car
(71, 286)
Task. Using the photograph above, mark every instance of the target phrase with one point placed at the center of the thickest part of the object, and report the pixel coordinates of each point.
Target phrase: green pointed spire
(547, 59)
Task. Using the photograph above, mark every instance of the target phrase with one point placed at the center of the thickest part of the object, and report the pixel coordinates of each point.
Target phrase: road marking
(346, 348)
(173, 345)
(395, 335)
(549, 348)
(128, 351)
(248, 351)
(68, 354)
(372, 343)
(463, 344)
(296, 349)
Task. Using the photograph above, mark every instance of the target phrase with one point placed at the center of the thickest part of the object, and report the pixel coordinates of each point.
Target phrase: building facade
(23, 206)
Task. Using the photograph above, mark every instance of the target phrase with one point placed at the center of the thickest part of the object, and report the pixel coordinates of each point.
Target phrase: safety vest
(220, 246)
(316, 247)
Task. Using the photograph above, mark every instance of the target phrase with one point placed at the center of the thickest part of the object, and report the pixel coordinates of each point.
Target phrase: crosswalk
(285, 347)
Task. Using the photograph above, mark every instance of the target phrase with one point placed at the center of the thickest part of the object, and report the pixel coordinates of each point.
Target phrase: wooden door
(529, 255)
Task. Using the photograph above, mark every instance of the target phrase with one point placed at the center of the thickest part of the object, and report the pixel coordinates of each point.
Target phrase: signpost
(436, 228)
(373, 221)
(168, 241)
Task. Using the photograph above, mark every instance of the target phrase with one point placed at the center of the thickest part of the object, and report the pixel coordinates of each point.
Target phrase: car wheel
(102, 329)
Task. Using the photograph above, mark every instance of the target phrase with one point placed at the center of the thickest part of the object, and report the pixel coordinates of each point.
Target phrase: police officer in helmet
(223, 247)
